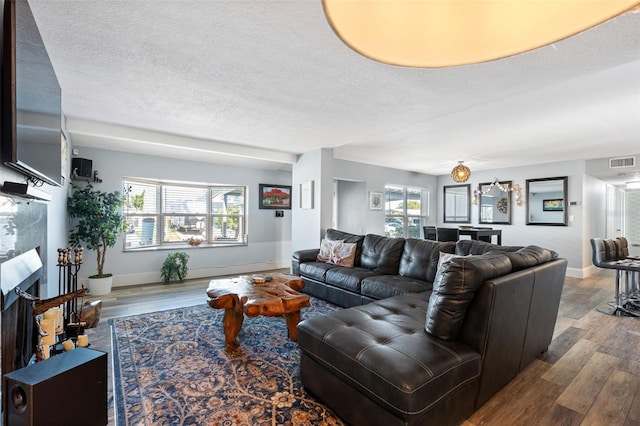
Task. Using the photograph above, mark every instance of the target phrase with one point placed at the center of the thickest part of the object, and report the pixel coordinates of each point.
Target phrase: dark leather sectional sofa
(420, 345)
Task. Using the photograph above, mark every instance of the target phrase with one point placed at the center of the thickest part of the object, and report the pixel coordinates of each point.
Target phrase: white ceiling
(259, 82)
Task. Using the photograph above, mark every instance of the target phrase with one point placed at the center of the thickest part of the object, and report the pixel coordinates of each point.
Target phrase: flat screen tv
(31, 99)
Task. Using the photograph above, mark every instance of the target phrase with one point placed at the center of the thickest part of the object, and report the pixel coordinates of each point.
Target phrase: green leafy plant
(175, 267)
(96, 220)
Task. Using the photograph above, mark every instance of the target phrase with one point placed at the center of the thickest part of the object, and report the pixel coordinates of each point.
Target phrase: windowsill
(182, 247)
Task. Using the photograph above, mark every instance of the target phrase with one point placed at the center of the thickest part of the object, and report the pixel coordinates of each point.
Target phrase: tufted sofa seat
(383, 353)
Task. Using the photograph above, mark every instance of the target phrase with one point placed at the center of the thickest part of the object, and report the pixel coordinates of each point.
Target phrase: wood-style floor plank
(614, 401)
(584, 389)
(561, 416)
(567, 368)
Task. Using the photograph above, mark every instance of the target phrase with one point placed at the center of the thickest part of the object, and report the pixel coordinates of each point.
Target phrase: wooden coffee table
(240, 296)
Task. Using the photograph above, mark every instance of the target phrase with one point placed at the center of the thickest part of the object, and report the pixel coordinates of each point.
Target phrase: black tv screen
(32, 111)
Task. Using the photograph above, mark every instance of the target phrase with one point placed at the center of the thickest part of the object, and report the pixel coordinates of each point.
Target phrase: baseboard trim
(154, 277)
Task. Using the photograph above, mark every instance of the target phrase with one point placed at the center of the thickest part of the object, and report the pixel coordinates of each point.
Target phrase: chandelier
(460, 173)
(439, 33)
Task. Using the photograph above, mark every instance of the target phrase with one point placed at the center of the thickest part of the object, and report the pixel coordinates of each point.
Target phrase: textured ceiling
(259, 82)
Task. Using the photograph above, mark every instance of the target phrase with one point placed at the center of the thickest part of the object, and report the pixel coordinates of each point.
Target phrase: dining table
(477, 233)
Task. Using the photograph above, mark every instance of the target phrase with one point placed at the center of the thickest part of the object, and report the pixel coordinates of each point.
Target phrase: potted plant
(97, 222)
(175, 267)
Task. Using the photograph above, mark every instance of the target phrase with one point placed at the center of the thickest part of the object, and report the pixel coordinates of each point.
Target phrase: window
(165, 214)
(405, 211)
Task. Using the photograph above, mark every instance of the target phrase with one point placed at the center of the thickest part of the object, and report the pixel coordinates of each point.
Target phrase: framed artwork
(63, 156)
(375, 200)
(306, 195)
(555, 205)
(274, 196)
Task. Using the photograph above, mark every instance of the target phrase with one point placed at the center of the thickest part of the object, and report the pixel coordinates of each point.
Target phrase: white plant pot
(99, 286)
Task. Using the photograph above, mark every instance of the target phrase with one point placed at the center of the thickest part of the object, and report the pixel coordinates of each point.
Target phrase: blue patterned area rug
(170, 368)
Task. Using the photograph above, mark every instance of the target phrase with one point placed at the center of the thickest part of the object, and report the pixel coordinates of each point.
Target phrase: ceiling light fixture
(460, 173)
(437, 33)
(633, 184)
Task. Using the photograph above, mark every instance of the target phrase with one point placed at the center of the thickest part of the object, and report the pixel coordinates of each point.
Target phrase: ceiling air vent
(617, 163)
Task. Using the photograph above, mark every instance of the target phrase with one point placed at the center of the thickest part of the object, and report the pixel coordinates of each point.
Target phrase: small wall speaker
(66, 389)
(82, 167)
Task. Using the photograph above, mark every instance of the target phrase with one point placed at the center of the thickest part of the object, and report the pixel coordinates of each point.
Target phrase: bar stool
(633, 278)
(605, 256)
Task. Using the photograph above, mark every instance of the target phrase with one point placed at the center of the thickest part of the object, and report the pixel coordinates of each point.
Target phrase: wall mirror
(494, 204)
(457, 204)
(547, 201)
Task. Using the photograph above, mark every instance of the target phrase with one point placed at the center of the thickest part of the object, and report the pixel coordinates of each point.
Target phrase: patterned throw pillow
(326, 249)
(337, 252)
(343, 254)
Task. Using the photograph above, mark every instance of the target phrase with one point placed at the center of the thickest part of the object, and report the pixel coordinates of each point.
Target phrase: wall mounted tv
(31, 99)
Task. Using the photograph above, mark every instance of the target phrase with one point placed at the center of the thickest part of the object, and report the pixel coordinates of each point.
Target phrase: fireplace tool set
(59, 322)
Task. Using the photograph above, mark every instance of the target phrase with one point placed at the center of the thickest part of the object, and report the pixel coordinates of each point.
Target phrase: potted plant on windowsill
(97, 221)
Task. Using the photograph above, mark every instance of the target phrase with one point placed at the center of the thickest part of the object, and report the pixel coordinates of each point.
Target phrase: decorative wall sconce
(516, 189)
(460, 173)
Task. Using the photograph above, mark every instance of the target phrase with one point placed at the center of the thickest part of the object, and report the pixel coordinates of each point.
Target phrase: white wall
(269, 237)
(351, 197)
(307, 224)
(310, 225)
(376, 178)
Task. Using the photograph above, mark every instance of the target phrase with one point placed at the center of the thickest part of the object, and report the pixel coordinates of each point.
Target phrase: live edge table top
(240, 296)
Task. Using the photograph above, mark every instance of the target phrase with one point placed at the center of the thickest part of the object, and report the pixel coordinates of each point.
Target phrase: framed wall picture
(555, 205)
(306, 195)
(375, 200)
(274, 196)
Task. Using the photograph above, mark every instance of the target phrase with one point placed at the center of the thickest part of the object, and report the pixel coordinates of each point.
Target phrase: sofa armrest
(302, 256)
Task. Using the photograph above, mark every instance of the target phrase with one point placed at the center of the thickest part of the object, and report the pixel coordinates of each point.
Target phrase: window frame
(159, 237)
(406, 218)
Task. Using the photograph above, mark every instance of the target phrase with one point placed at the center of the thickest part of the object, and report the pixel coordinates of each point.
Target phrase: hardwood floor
(589, 376)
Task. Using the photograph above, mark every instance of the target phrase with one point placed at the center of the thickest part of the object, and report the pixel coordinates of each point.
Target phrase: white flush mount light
(633, 184)
(442, 33)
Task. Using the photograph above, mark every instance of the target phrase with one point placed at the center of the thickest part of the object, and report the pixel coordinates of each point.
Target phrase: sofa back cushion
(454, 287)
(475, 247)
(529, 256)
(334, 234)
(381, 254)
(420, 258)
